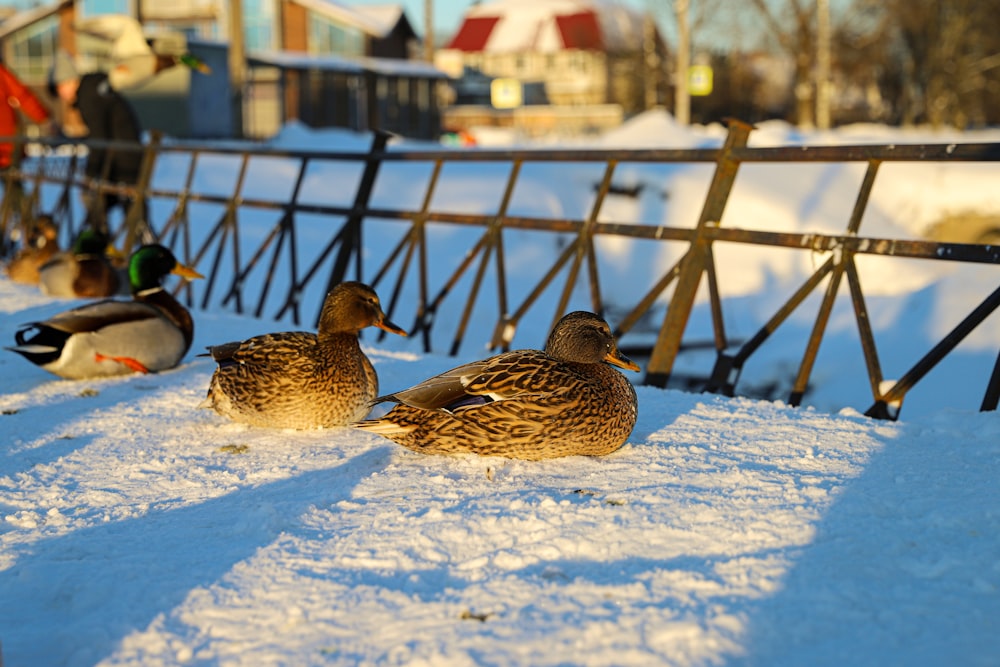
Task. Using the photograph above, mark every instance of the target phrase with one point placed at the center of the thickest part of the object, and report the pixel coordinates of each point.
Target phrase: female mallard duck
(523, 404)
(41, 245)
(299, 379)
(151, 332)
(84, 271)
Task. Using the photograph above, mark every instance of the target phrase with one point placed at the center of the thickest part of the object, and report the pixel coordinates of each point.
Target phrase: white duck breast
(55, 278)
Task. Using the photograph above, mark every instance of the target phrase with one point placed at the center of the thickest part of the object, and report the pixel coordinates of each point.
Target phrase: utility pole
(823, 64)
(651, 61)
(682, 98)
(429, 31)
(237, 65)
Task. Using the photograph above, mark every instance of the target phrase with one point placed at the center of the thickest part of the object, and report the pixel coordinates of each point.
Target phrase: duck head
(585, 338)
(150, 264)
(91, 242)
(352, 306)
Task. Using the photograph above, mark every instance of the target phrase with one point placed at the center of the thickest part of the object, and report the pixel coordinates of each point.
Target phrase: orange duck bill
(386, 325)
(186, 272)
(618, 359)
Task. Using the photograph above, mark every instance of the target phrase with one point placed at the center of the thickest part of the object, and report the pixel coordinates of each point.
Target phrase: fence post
(992, 395)
(350, 235)
(694, 263)
(135, 219)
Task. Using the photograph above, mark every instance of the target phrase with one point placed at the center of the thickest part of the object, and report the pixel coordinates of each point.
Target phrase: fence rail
(255, 266)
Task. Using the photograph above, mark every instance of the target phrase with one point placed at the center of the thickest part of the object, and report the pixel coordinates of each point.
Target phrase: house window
(327, 37)
(258, 19)
(32, 50)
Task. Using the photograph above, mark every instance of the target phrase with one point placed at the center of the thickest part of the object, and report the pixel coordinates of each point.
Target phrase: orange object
(17, 96)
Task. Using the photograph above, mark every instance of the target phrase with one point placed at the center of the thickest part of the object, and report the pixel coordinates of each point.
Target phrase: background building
(582, 53)
(316, 61)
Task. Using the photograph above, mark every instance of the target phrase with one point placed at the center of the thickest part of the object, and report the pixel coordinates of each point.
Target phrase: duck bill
(386, 325)
(113, 253)
(618, 359)
(186, 272)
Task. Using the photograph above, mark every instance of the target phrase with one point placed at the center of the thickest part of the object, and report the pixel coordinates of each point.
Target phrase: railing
(282, 260)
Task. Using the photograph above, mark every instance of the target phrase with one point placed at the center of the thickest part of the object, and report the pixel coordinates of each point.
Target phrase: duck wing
(43, 342)
(502, 377)
(92, 317)
(276, 349)
(95, 278)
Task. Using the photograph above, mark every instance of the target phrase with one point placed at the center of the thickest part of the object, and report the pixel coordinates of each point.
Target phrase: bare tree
(793, 27)
(690, 17)
(951, 45)
(905, 61)
(863, 66)
(682, 100)
(823, 46)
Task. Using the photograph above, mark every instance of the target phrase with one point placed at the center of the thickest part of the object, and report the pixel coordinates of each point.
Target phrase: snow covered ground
(139, 530)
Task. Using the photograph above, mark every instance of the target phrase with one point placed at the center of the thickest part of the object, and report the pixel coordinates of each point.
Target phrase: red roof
(580, 31)
(473, 34)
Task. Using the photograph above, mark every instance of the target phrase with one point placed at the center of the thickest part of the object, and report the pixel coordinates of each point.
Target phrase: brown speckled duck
(523, 404)
(149, 332)
(298, 379)
(40, 246)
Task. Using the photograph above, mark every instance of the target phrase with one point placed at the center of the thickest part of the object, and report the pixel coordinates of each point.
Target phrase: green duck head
(195, 63)
(91, 242)
(150, 264)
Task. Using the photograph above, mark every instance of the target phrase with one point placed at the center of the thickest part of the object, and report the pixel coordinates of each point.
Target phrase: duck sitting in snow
(40, 247)
(84, 271)
(150, 332)
(523, 404)
(298, 379)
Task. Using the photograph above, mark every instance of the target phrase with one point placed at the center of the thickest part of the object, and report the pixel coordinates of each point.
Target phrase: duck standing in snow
(149, 332)
(85, 271)
(298, 379)
(524, 404)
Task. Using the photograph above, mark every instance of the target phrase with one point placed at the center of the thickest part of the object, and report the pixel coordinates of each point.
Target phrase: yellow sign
(505, 93)
(700, 80)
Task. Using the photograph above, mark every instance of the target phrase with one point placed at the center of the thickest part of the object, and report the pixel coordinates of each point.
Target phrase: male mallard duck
(523, 404)
(135, 58)
(299, 379)
(84, 271)
(40, 246)
(151, 332)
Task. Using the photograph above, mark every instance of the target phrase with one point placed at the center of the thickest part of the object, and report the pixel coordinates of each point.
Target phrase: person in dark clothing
(108, 116)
